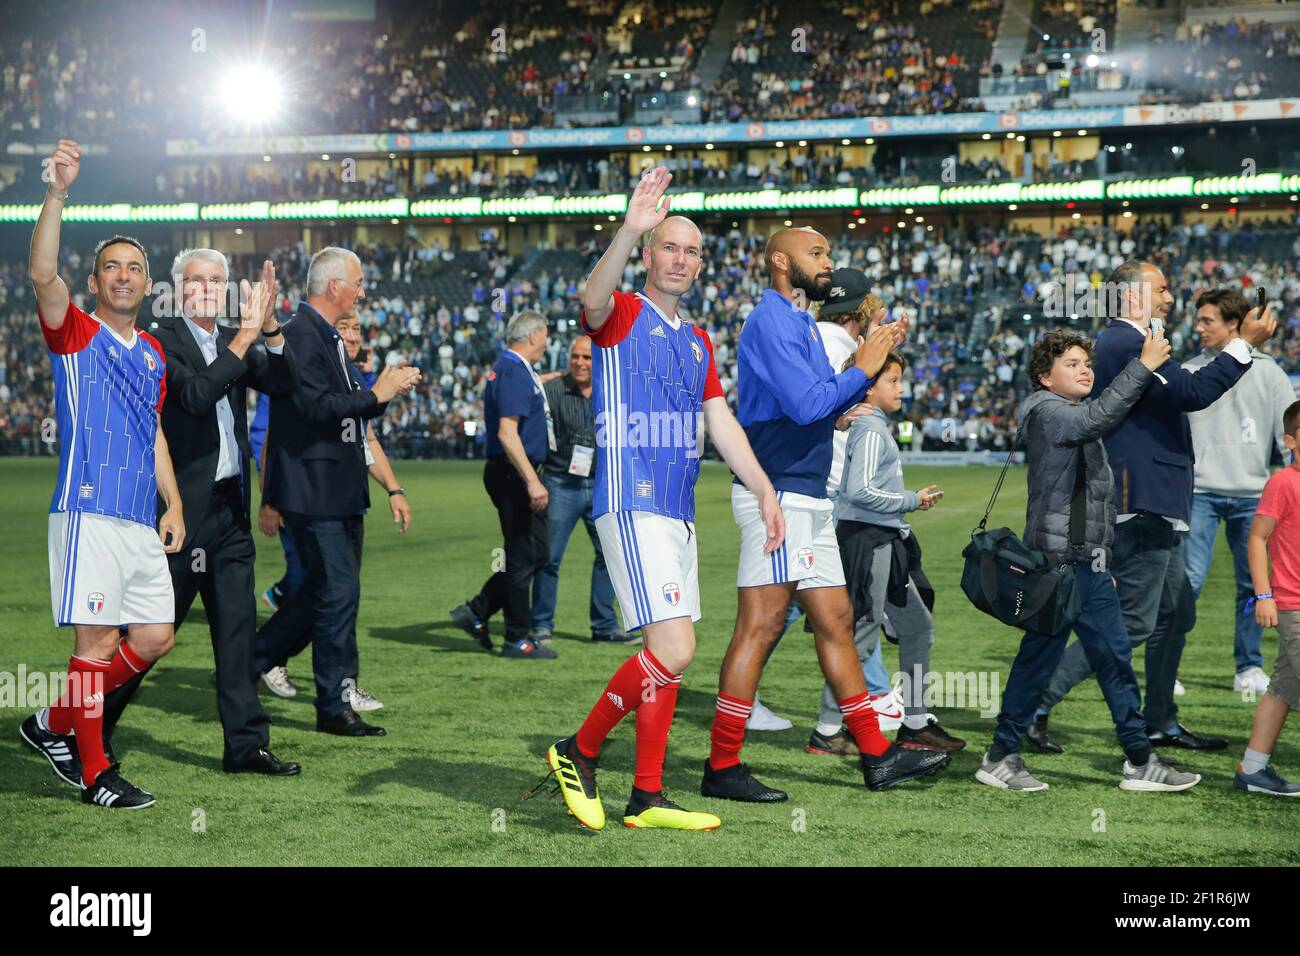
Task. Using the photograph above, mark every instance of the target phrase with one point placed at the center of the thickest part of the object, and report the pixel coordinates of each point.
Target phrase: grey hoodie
(871, 488)
(1233, 438)
(1054, 429)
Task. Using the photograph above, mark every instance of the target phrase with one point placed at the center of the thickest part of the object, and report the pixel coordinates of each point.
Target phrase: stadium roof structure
(753, 200)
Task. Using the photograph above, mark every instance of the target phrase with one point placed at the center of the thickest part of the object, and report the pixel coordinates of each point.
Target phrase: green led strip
(753, 200)
(1232, 185)
(1150, 188)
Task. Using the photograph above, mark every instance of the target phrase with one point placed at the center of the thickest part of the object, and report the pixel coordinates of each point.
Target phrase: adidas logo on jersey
(618, 701)
(659, 331)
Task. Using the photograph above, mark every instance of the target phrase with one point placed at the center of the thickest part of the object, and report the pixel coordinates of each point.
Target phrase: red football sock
(653, 719)
(728, 731)
(633, 684)
(861, 720)
(81, 710)
(125, 664)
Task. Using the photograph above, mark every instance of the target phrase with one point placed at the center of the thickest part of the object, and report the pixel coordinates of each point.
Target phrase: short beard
(816, 289)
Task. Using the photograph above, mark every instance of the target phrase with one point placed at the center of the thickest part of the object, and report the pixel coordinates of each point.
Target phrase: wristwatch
(270, 335)
(399, 490)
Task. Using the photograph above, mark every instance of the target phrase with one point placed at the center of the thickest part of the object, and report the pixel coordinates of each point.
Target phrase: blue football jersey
(108, 392)
(650, 379)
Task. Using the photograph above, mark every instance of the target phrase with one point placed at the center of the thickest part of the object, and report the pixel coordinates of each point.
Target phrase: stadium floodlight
(252, 94)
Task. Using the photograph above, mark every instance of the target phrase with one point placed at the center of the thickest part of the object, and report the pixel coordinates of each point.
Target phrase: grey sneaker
(1267, 781)
(277, 682)
(540, 635)
(1009, 773)
(528, 650)
(362, 700)
(1157, 776)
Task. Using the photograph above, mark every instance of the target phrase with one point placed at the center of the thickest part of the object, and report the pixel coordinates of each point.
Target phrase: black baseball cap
(848, 288)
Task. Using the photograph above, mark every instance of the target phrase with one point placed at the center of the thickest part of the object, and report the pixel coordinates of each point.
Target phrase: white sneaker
(277, 682)
(1179, 689)
(760, 718)
(889, 711)
(1252, 679)
(362, 700)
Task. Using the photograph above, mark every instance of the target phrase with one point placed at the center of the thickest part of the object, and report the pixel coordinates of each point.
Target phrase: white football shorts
(107, 571)
(810, 553)
(652, 564)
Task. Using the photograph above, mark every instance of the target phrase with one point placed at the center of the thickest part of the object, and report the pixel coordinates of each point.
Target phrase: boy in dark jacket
(1057, 422)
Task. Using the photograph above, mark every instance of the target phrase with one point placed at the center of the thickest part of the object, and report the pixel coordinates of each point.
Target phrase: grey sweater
(1233, 438)
(871, 488)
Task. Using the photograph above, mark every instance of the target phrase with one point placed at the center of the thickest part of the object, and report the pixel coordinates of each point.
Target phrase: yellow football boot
(576, 775)
(655, 811)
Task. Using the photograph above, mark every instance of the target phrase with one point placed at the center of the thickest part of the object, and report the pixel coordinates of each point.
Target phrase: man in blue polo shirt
(519, 435)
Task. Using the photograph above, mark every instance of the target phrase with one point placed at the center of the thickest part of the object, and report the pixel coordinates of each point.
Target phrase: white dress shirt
(227, 464)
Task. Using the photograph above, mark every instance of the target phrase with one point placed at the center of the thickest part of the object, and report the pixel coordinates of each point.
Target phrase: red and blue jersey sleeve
(618, 325)
(712, 386)
(151, 342)
(73, 335)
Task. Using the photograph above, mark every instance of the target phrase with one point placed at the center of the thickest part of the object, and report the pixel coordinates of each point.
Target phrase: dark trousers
(1159, 610)
(325, 608)
(527, 548)
(1105, 643)
(304, 637)
(217, 566)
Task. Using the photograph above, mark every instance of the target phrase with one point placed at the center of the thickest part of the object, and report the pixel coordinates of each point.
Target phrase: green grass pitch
(467, 730)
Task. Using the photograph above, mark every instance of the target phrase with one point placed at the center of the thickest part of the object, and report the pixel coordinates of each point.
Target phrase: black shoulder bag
(1015, 583)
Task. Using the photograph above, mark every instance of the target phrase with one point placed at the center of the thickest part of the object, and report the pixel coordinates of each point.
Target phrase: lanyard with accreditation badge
(546, 406)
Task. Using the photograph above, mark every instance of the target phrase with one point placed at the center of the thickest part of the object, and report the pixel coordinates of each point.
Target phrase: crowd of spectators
(1069, 24)
(241, 180)
(851, 60)
(1214, 62)
(969, 295)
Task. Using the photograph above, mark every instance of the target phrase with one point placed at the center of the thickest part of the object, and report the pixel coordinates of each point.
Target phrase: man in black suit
(209, 369)
(316, 476)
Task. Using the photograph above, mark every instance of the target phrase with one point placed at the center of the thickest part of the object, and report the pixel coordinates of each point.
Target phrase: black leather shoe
(348, 724)
(896, 765)
(1036, 734)
(265, 762)
(1185, 739)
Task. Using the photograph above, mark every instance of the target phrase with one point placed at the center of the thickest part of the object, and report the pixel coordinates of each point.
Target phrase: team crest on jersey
(148, 360)
(87, 490)
(672, 594)
(95, 602)
(805, 557)
(698, 352)
(112, 351)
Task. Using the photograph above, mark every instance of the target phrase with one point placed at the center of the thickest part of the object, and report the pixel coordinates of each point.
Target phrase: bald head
(679, 228)
(799, 258)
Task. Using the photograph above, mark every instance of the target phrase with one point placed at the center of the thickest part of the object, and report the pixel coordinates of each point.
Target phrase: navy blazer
(1150, 451)
(315, 460)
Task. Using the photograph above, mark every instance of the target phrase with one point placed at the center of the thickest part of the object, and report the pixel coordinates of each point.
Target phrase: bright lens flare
(252, 94)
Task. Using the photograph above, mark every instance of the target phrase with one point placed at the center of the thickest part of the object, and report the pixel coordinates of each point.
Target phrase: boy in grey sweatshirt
(876, 544)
